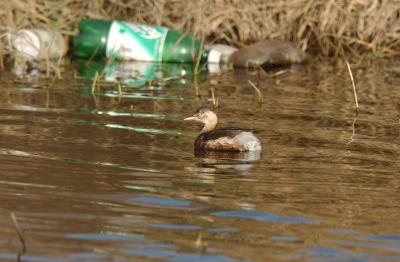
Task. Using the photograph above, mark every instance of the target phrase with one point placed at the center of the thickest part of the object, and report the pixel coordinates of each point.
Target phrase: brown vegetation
(325, 26)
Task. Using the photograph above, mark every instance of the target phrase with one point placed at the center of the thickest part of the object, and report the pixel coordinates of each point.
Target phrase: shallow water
(111, 175)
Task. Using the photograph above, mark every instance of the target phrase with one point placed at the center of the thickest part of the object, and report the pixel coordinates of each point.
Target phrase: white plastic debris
(38, 44)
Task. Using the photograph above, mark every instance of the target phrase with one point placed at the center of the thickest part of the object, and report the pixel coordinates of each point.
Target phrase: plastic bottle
(219, 56)
(127, 41)
(38, 43)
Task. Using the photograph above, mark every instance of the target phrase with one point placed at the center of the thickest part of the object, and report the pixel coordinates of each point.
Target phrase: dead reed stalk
(19, 233)
(353, 84)
(95, 79)
(215, 101)
(260, 97)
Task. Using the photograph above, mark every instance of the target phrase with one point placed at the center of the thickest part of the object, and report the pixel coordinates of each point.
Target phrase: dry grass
(325, 26)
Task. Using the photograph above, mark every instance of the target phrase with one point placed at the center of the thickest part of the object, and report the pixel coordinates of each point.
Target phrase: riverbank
(357, 27)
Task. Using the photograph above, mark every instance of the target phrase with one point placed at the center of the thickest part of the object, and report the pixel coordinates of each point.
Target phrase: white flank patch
(249, 141)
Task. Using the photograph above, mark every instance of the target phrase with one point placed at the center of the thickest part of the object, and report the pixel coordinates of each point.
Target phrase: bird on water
(226, 139)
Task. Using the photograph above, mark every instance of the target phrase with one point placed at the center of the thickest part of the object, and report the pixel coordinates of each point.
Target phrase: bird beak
(191, 118)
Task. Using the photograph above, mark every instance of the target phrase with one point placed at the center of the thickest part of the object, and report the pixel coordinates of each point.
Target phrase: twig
(354, 86)
(196, 85)
(20, 235)
(198, 57)
(258, 92)
(119, 89)
(261, 71)
(353, 131)
(200, 243)
(214, 100)
(170, 78)
(95, 81)
(280, 72)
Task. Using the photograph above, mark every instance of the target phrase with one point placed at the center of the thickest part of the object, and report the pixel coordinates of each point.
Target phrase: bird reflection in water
(226, 160)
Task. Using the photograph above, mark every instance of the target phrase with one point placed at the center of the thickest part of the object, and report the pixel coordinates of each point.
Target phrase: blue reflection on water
(342, 231)
(263, 216)
(284, 238)
(192, 227)
(376, 244)
(106, 236)
(175, 227)
(171, 255)
(167, 202)
(323, 251)
(383, 237)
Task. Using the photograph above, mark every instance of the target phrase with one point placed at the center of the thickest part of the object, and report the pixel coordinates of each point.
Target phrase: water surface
(109, 174)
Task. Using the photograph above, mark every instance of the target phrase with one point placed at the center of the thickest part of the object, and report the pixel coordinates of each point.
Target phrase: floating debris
(268, 53)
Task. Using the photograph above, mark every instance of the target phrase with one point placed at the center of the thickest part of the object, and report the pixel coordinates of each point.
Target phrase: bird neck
(209, 125)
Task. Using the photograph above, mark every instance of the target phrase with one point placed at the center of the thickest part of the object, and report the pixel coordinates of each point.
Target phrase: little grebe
(228, 138)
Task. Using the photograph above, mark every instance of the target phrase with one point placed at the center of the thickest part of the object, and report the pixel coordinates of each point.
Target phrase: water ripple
(263, 216)
(105, 236)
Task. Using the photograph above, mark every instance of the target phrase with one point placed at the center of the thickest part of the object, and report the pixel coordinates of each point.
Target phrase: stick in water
(19, 233)
(354, 86)
(260, 98)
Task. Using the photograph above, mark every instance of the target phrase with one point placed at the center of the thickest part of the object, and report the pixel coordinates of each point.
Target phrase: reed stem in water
(354, 86)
